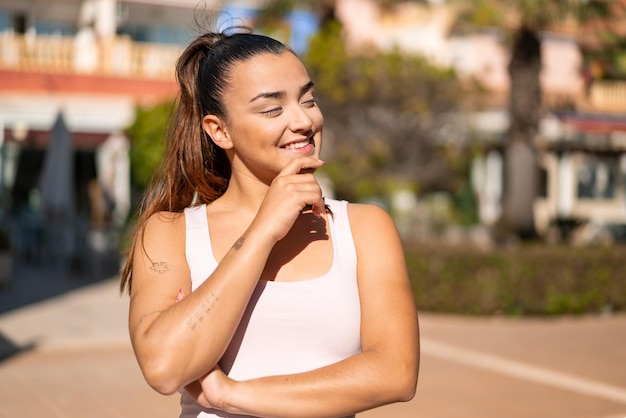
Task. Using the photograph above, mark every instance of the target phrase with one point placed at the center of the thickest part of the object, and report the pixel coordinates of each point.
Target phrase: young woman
(250, 293)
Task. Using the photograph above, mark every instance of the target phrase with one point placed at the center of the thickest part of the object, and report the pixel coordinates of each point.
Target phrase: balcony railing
(118, 57)
(122, 57)
(608, 96)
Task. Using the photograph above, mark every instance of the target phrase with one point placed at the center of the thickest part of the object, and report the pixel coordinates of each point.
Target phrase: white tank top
(288, 327)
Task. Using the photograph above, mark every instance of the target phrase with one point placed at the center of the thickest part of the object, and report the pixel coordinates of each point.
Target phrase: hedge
(531, 279)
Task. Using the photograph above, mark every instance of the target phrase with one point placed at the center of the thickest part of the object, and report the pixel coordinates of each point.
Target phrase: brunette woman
(250, 293)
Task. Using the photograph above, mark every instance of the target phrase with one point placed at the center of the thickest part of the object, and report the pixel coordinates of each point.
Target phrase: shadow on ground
(8, 349)
(36, 282)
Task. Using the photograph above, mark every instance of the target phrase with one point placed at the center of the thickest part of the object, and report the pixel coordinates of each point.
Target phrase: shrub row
(532, 279)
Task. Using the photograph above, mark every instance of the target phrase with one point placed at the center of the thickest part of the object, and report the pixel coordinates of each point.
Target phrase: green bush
(147, 134)
(530, 280)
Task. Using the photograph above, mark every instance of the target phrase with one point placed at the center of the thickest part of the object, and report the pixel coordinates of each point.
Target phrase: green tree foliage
(147, 134)
(390, 118)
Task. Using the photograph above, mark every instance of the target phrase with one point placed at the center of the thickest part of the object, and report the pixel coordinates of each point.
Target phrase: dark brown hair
(194, 170)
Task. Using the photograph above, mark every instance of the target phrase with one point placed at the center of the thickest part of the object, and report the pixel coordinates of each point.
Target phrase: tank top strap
(198, 248)
(339, 224)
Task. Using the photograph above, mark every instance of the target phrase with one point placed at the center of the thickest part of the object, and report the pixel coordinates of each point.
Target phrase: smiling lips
(299, 145)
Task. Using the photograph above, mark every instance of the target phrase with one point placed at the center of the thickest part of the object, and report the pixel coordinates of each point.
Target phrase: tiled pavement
(68, 356)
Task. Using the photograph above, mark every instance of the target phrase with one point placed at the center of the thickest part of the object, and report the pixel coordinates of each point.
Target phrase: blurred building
(85, 65)
(93, 61)
(72, 73)
(582, 140)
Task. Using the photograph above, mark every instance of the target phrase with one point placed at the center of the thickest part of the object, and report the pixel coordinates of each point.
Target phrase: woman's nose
(301, 121)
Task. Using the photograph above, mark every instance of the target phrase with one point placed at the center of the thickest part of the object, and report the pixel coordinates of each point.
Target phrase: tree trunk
(521, 169)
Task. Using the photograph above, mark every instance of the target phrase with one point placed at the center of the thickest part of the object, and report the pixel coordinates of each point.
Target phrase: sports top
(288, 327)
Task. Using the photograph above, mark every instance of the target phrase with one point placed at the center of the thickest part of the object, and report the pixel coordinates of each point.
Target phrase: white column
(622, 172)
(100, 15)
(105, 19)
(493, 188)
(566, 185)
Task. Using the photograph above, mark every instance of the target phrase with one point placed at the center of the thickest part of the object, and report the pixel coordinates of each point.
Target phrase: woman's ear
(216, 129)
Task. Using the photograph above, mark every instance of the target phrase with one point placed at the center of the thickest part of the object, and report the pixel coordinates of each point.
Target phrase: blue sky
(303, 23)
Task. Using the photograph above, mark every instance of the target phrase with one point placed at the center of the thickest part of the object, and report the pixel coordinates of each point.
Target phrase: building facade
(72, 74)
(91, 63)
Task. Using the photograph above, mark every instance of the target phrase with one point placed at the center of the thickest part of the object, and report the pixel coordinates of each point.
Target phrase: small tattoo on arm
(237, 245)
(205, 308)
(160, 267)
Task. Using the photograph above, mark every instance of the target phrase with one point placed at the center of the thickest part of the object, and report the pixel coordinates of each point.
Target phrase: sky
(303, 23)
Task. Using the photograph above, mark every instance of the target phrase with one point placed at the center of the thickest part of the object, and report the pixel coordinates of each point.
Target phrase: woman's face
(272, 115)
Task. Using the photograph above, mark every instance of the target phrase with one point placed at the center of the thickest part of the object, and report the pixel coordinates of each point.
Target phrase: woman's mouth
(300, 144)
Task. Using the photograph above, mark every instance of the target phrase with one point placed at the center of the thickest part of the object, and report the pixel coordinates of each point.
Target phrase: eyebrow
(280, 94)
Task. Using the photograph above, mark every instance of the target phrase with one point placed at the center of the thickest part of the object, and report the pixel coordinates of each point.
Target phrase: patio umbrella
(56, 184)
(56, 197)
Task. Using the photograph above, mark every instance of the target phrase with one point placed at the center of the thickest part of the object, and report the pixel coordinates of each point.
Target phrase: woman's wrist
(259, 235)
(217, 391)
(223, 399)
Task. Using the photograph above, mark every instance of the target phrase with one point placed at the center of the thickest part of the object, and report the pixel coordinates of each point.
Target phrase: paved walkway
(68, 356)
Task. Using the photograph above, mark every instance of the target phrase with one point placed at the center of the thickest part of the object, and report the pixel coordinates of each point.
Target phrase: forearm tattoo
(237, 245)
(204, 309)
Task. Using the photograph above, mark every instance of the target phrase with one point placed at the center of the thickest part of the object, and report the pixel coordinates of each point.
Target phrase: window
(596, 178)
(5, 22)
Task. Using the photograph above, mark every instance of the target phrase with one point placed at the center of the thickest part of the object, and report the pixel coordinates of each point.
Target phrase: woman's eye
(310, 102)
(272, 112)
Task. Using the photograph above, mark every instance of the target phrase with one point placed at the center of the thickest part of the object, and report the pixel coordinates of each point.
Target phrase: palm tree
(524, 21)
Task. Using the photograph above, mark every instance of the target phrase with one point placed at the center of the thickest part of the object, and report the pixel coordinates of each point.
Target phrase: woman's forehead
(268, 72)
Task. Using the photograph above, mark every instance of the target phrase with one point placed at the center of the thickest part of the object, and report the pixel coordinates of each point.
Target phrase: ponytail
(194, 170)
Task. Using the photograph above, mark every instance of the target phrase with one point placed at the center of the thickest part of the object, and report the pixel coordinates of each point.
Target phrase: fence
(123, 57)
(609, 96)
(83, 54)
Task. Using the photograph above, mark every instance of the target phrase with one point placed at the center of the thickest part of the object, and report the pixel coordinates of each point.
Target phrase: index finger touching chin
(302, 166)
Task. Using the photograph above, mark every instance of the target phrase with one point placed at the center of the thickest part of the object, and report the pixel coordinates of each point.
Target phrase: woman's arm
(177, 342)
(386, 370)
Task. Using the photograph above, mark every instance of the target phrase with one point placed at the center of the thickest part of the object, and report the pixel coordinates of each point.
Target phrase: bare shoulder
(160, 253)
(369, 219)
(168, 223)
(375, 234)
(163, 236)
(167, 219)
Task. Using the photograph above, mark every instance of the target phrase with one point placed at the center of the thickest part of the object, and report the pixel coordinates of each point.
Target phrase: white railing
(120, 56)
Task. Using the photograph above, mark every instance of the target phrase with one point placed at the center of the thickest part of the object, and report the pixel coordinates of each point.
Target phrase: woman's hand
(293, 189)
(211, 389)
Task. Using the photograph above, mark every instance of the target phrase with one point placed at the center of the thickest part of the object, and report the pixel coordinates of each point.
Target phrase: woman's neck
(244, 193)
